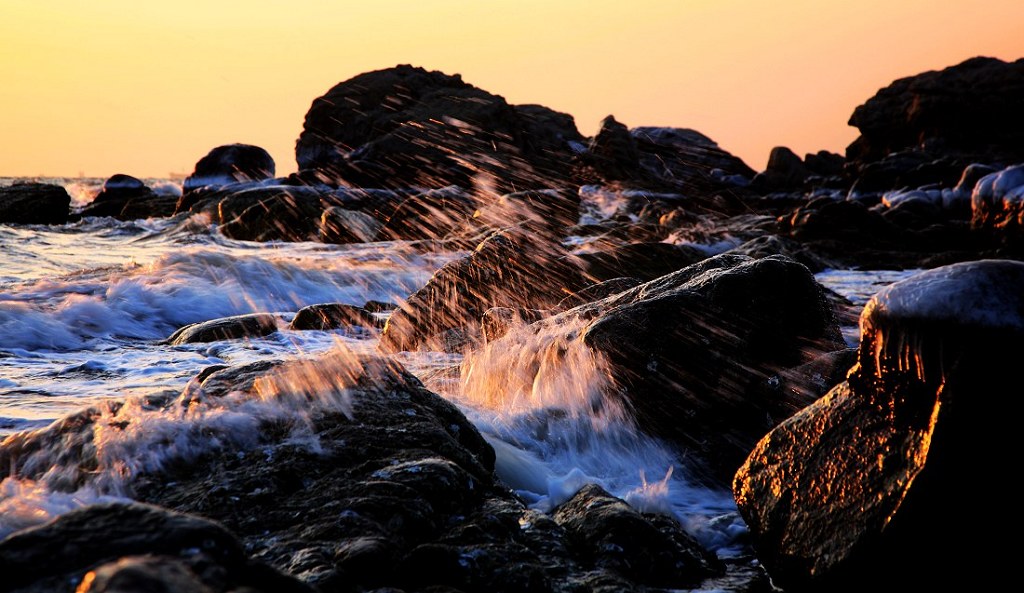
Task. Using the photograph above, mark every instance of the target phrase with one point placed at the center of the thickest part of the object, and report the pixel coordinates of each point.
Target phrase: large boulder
(970, 109)
(704, 357)
(884, 483)
(34, 203)
(698, 353)
(133, 547)
(409, 127)
(231, 163)
(252, 325)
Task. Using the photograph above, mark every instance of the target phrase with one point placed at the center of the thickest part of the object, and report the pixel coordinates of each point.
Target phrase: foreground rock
(343, 472)
(133, 547)
(34, 203)
(409, 127)
(879, 484)
(231, 163)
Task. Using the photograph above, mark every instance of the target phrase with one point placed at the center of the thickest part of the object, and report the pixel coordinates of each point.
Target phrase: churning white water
(85, 307)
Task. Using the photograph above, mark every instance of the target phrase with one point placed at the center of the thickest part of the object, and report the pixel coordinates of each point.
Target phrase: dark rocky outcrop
(133, 547)
(688, 160)
(230, 163)
(127, 198)
(339, 225)
(880, 483)
(612, 152)
(34, 203)
(511, 268)
(409, 127)
(253, 325)
(970, 109)
(695, 352)
(611, 535)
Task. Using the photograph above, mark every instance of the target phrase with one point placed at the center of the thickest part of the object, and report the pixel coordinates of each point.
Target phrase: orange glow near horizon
(112, 86)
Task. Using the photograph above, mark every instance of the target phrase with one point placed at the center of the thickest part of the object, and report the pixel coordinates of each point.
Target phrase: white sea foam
(546, 403)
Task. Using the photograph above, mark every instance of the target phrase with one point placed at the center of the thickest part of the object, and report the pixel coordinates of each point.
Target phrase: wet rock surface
(227, 328)
(228, 164)
(861, 488)
(364, 480)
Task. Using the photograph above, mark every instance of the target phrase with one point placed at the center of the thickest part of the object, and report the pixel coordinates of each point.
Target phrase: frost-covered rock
(884, 481)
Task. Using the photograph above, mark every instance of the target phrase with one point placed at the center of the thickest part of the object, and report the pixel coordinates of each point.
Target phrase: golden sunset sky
(147, 88)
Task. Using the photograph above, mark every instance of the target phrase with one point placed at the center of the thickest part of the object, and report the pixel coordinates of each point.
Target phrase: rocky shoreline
(849, 466)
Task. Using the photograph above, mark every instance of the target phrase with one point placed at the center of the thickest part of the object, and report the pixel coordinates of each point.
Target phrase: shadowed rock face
(695, 352)
(409, 127)
(879, 483)
(133, 547)
(971, 109)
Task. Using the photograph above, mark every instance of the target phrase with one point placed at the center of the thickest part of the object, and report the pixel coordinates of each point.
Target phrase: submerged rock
(253, 325)
(332, 316)
(231, 163)
(34, 203)
(879, 483)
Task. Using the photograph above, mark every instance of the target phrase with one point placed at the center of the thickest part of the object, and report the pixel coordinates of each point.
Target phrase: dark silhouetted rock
(231, 163)
(548, 212)
(687, 160)
(332, 316)
(127, 198)
(409, 127)
(511, 268)
(497, 321)
(879, 483)
(695, 352)
(274, 213)
(133, 547)
(34, 203)
(614, 536)
(785, 171)
(612, 151)
(971, 110)
(253, 325)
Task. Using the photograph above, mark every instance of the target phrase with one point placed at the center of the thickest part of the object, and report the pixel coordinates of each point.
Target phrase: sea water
(85, 309)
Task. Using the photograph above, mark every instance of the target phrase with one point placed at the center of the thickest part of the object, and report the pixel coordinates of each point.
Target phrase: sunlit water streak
(84, 308)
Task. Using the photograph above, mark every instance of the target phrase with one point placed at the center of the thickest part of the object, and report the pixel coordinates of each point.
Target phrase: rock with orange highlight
(884, 482)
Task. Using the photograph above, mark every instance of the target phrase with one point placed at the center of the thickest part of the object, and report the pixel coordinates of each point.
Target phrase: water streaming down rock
(883, 480)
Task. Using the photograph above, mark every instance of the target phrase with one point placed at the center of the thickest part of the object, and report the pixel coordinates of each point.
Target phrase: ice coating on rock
(980, 294)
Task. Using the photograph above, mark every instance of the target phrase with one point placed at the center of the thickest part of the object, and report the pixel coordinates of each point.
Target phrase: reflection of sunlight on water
(546, 403)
